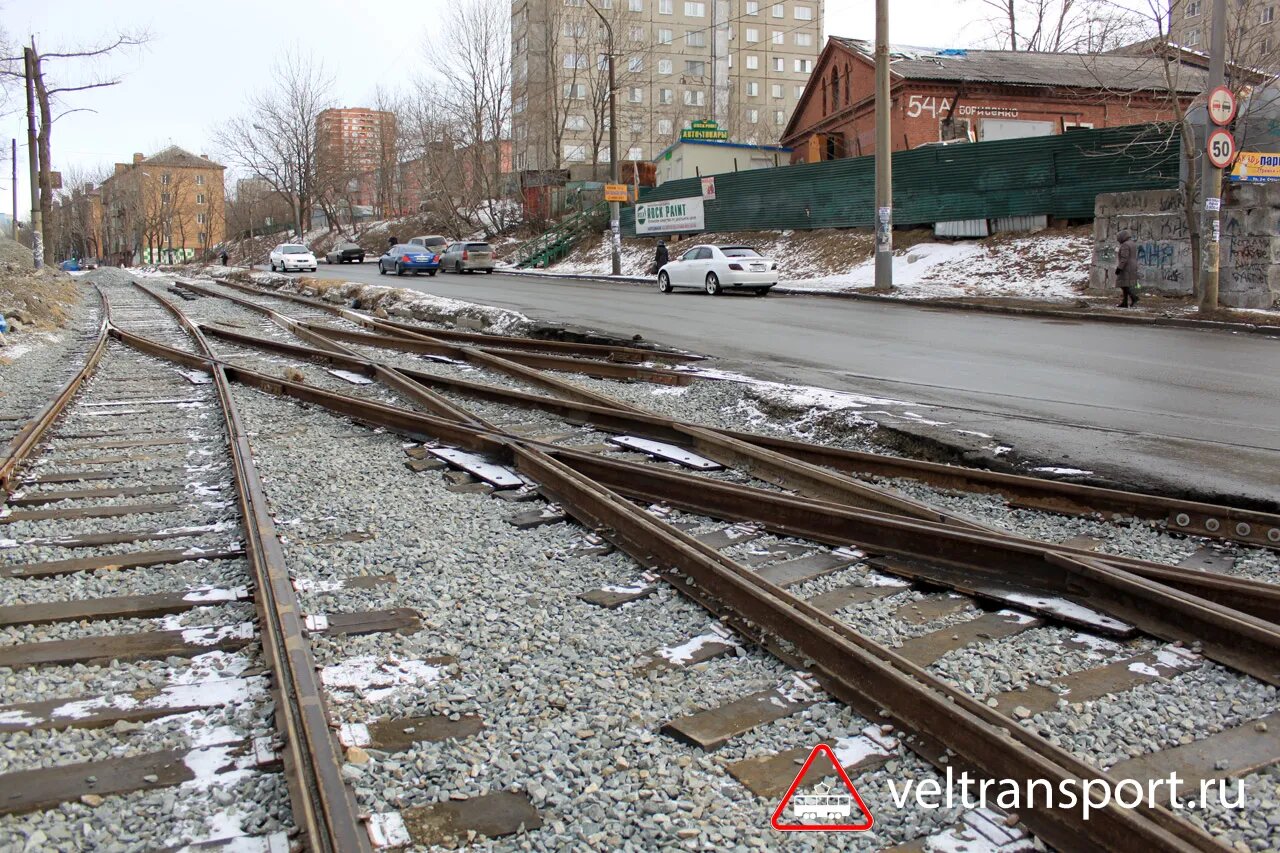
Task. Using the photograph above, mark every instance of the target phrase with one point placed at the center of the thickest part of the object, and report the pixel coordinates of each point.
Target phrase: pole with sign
(1220, 148)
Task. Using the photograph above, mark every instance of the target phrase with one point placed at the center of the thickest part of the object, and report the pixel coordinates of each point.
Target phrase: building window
(779, 37)
(575, 60)
(753, 88)
(664, 66)
(637, 33)
(200, 219)
(202, 238)
(635, 63)
(665, 7)
(575, 2)
(695, 10)
(803, 66)
(635, 95)
(164, 198)
(575, 122)
(779, 11)
(637, 126)
(695, 68)
(164, 179)
(804, 13)
(1193, 37)
(798, 89)
(753, 35)
(779, 64)
(1193, 8)
(753, 62)
(804, 39)
(634, 153)
(574, 29)
(199, 180)
(779, 117)
(753, 116)
(635, 5)
(666, 96)
(575, 91)
(1268, 14)
(753, 7)
(695, 38)
(664, 126)
(776, 90)
(199, 198)
(602, 62)
(664, 36)
(575, 153)
(695, 98)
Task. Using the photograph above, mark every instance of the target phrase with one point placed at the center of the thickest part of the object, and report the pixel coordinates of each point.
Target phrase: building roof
(718, 144)
(180, 157)
(1120, 72)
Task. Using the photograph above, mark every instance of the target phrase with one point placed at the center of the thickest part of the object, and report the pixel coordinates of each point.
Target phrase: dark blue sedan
(405, 258)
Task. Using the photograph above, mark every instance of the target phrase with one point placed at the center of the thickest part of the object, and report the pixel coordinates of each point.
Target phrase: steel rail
(27, 438)
(323, 806)
(1198, 518)
(1165, 602)
(853, 668)
(863, 674)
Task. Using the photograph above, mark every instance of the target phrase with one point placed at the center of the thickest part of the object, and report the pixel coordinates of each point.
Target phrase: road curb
(1012, 310)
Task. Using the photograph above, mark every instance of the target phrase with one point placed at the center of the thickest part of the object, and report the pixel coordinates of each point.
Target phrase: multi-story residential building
(742, 63)
(77, 223)
(356, 154)
(166, 208)
(1253, 36)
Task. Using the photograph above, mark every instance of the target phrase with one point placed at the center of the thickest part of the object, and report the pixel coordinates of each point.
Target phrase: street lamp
(614, 213)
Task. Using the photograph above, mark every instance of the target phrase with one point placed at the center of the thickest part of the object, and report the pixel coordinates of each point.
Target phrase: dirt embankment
(32, 300)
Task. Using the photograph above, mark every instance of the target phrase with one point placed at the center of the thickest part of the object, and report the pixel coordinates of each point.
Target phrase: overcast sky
(201, 61)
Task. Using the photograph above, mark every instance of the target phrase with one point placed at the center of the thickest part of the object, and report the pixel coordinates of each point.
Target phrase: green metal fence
(1057, 176)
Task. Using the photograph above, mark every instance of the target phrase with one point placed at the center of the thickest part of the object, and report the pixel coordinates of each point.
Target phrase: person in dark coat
(662, 257)
(223, 257)
(1127, 269)
(392, 242)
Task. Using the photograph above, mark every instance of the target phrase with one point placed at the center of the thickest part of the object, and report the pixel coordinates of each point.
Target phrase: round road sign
(1222, 106)
(1221, 148)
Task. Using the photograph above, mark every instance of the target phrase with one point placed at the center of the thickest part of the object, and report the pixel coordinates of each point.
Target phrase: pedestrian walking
(1127, 269)
(223, 257)
(661, 257)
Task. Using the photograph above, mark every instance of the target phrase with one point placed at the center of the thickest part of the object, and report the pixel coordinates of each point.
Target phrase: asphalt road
(1178, 409)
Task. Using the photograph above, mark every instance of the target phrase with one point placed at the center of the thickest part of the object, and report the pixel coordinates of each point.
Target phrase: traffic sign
(615, 192)
(1221, 148)
(1222, 106)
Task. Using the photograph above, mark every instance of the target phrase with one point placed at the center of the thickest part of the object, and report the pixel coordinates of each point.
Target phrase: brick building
(976, 95)
(166, 208)
(355, 147)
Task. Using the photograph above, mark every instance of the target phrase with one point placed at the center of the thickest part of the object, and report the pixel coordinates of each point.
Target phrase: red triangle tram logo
(826, 808)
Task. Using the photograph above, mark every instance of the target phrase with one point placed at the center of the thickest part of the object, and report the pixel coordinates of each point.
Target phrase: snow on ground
(1045, 266)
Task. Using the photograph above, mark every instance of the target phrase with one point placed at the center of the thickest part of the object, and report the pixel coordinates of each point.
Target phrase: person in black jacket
(661, 258)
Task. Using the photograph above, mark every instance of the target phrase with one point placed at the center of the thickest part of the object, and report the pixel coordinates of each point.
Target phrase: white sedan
(717, 269)
(292, 256)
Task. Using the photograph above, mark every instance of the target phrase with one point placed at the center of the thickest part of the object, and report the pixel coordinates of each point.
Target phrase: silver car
(467, 257)
(434, 242)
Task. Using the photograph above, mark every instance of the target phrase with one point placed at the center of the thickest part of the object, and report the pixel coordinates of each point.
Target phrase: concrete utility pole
(37, 221)
(884, 154)
(615, 234)
(15, 189)
(1211, 184)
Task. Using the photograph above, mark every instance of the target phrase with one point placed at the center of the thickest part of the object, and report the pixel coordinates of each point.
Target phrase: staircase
(550, 247)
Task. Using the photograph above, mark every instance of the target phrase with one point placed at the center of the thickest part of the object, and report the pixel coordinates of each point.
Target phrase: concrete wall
(1250, 259)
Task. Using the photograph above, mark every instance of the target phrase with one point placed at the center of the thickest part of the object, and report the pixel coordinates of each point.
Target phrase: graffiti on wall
(1158, 261)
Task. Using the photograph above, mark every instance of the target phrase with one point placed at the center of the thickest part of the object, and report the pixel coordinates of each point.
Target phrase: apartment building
(1252, 35)
(741, 63)
(166, 208)
(352, 144)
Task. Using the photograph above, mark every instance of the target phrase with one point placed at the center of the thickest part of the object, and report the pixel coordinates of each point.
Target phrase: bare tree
(1063, 26)
(50, 98)
(76, 227)
(276, 139)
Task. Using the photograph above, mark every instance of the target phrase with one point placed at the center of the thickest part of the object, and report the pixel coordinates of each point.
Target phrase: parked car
(405, 258)
(467, 257)
(89, 263)
(345, 253)
(717, 268)
(70, 265)
(292, 256)
(435, 242)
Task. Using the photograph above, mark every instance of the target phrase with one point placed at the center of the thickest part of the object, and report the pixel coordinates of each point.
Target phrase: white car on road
(292, 256)
(718, 269)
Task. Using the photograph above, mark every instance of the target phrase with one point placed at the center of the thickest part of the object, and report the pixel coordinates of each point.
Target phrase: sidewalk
(1099, 310)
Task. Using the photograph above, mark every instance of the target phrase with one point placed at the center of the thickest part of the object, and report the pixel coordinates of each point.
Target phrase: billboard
(670, 216)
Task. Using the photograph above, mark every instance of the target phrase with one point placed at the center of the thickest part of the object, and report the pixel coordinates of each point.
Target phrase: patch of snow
(1049, 469)
(683, 653)
(374, 679)
(1065, 609)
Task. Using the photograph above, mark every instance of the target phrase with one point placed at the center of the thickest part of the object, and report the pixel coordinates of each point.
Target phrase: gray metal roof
(1026, 68)
(175, 156)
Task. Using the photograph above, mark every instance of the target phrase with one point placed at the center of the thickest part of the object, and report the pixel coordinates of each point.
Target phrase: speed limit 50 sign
(1221, 148)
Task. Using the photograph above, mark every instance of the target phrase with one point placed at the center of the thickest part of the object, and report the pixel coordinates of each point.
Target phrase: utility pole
(615, 234)
(884, 154)
(37, 221)
(1211, 182)
(15, 190)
